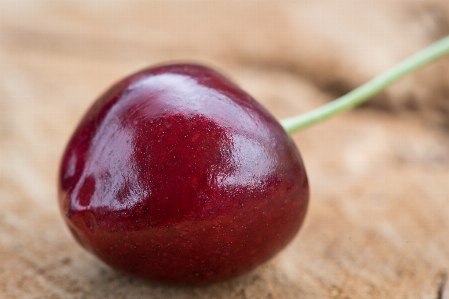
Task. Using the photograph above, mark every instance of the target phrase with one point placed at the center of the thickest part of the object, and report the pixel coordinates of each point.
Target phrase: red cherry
(176, 175)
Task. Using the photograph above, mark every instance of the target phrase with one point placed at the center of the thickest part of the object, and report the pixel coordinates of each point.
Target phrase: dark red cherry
(176, 175)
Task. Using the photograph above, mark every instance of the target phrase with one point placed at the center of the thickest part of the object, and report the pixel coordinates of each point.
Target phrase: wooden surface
(378, 223)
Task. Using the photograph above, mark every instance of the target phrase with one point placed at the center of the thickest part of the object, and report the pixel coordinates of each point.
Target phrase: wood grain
(378, 224)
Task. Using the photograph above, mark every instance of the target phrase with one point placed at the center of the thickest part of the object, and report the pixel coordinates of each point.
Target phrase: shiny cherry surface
(176, 175)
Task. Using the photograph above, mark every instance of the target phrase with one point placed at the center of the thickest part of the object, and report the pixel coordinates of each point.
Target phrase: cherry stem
(369, 89)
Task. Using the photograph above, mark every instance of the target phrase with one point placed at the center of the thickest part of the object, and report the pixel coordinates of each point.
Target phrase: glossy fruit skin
(176, 175)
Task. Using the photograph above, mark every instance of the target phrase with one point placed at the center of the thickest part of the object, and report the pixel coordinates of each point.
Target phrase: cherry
(177, 175)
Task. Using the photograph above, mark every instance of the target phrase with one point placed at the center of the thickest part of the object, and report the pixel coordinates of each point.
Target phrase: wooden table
(378, 223)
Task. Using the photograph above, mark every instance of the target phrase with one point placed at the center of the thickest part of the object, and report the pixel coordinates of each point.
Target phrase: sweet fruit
(177, 175)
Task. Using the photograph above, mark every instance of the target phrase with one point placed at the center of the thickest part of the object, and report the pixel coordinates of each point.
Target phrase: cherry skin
(176, 175)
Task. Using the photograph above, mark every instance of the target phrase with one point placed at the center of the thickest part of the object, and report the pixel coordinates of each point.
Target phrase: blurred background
(378, 223)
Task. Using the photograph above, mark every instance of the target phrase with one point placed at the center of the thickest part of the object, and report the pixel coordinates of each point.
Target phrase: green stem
(369, 89)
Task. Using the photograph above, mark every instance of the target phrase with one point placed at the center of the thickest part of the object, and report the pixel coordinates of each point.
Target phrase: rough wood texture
(378, 224)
